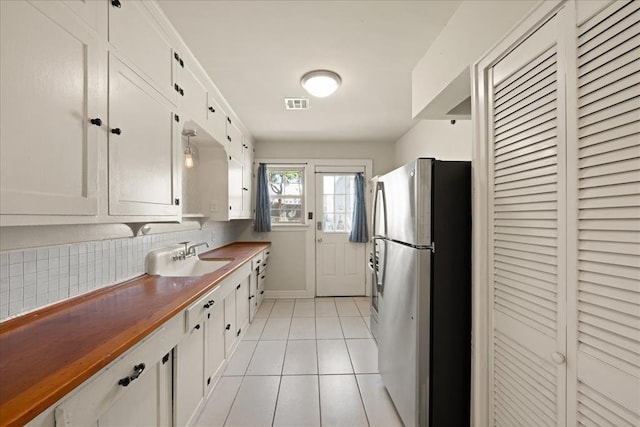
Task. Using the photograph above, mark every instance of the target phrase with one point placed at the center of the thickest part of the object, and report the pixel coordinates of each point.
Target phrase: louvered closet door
(607, 370)
(526, 259)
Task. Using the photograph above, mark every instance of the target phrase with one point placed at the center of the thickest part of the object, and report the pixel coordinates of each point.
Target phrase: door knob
(319, 239)
(558, 358)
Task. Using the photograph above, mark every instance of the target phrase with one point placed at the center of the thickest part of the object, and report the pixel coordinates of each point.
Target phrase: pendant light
(188, 153)
(321, 83)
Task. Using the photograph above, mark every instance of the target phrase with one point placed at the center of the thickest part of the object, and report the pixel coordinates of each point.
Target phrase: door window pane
(286, 194)
(338, 196)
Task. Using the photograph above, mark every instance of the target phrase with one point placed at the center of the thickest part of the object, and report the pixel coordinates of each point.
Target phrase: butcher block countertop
(46, 354)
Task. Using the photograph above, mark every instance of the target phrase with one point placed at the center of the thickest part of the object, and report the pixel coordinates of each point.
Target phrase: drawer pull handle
(116, 3)
(258, 261)
(137, 370)
(261, 292)
(96, 122)
(238, 287)
(228, 326)
(262, 277)
(264, 265)
(116, 131)
(209, 303)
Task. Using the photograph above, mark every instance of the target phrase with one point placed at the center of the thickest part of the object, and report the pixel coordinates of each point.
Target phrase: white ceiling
(256, 52)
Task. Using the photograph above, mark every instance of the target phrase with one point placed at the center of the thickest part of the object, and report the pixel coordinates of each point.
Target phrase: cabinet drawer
(196, 311)
(257, 260)
(118, 381)
(266, 253)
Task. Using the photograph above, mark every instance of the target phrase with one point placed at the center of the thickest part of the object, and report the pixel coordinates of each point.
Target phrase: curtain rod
(285, 163)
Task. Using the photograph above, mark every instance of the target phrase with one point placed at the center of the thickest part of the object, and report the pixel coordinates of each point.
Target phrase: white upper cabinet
(49, 92)
(193, 96)
(138, 39)
(142, 147)
(247, 179)
(235, 188)
(234, 140)
(216, 120)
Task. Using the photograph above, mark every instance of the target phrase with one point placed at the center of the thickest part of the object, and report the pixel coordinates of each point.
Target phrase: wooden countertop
(46, 354)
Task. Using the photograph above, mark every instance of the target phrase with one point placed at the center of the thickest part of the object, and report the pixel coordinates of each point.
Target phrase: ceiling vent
(296, 103)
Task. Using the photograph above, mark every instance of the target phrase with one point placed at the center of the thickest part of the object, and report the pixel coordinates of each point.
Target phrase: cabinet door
(604, 309)
(50, 90)
(216, 120)
(189, 379)
(247, 181)
(527, 279)
(87, 10)
(147, 403)
(193, 98)
(234, 140)
(235, 188)
(253, 294)
(138, 40)
(230, 337)
(135, 390)
(142, 158)
(242, 306)
(215, 343)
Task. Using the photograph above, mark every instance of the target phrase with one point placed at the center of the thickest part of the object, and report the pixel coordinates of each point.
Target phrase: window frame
(303, 203)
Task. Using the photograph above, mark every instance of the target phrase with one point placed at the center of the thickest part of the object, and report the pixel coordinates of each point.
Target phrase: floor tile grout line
(226, 418)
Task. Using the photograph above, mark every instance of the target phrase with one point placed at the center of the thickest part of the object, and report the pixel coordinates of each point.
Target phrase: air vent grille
(296, 103)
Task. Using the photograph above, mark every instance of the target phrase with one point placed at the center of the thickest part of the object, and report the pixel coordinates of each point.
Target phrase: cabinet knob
(96, 121)
(261, 292)
(238, 287)
(197, 326)
(229, 119)
(228, 326)
(228, 138)
(116, 3)
(245, 189)
(116, 131)
(213, 110)
(558, 358)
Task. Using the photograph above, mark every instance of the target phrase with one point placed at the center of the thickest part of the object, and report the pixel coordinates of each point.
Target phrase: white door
(339, 263)
(528, 234)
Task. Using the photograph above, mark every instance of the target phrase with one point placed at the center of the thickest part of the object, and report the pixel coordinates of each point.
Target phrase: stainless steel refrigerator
(422, 248)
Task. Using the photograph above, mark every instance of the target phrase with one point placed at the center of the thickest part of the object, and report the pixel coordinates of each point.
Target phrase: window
(286, 194)
(338, 195)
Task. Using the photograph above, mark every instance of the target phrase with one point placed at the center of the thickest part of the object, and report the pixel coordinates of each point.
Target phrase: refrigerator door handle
(379, 191)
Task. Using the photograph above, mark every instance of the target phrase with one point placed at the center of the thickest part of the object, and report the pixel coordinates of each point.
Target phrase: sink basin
(161, 262)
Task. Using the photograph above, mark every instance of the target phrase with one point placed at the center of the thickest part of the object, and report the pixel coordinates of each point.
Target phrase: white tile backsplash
(35, 277)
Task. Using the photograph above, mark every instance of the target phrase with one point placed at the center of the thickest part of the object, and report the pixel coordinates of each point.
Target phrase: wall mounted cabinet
(140, 41)
(77, 141)
(48, 143)
(142, 147)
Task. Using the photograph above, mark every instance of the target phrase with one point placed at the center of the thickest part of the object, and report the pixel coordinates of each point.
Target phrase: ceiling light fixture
(188, 153)
(320, 83)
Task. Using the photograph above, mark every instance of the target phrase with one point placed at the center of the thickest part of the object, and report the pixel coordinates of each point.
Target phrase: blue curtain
(359, 232)
(263, 214)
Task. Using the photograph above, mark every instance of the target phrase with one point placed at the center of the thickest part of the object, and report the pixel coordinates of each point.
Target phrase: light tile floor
(304, 362)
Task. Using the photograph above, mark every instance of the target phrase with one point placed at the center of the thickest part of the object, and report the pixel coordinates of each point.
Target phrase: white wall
(441, 79)
(435, 138)
(381, 153)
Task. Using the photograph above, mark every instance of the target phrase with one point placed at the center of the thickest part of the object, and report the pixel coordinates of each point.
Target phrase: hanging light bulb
(188, 158)
(188, 153)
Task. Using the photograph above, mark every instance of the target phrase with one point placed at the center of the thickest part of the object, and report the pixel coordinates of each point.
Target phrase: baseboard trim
(288, 294)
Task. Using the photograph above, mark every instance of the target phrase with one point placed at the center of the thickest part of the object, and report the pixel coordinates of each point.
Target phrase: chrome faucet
(191, 250)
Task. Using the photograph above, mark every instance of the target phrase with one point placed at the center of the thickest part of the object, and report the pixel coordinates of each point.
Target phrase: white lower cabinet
(136, 389)
(189, 375)
(166, 379)
(230, 337)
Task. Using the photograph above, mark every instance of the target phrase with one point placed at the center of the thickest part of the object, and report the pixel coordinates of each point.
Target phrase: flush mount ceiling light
(320, 83)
